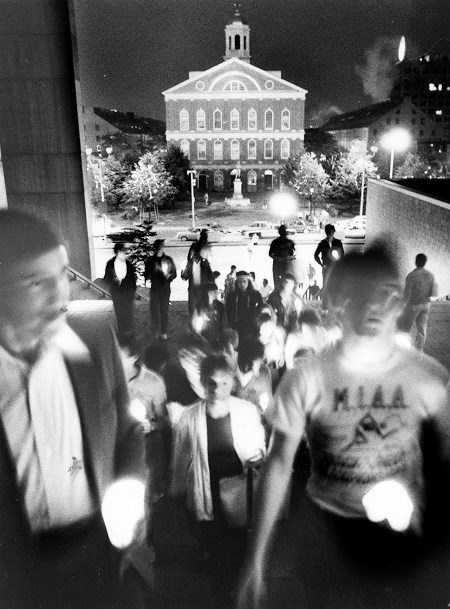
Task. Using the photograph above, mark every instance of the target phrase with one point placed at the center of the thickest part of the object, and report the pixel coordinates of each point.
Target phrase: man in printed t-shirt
(377, 421)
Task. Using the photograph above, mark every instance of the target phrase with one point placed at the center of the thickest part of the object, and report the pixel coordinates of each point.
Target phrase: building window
(421, 132)
(285, 120)
(201, 120)
(268, 119)
(397, 121)
(218, 150)
(413, 121)
(97, 139)
(268, 149)
(375, 131)
(422, 121)
(237, 42)
(184, 120)
(201, 150)
(218, 180)
(185, 148)
(251, 180)
(97, 127)
(252, 119)
(234, 119)
(234, 150)
(217, 120)
(235, 85)
(285, 149)
(251, 149)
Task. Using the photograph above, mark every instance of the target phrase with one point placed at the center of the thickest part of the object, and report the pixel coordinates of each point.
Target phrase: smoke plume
(377, 71)
(323, 113)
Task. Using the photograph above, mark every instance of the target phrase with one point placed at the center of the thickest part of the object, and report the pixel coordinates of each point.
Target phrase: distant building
(100, 122)
(234, 112)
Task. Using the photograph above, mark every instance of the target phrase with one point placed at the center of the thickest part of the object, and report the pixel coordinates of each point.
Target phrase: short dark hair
(118, 247)
(282, 229)
(233, 267)
(213, 363)
(421, 260)
(329, 228)
(356, 273)
(309, 317)
(23, 237)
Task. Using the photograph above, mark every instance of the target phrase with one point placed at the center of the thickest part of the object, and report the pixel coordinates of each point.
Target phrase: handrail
(80, 277)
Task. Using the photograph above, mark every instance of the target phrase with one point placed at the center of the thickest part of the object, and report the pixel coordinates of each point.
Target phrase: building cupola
(237, 38)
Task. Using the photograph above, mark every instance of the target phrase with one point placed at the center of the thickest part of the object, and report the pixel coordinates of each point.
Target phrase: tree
(322, 143)
(413, 167)
(129, 148)
(177, 164)
(348, 169)
(307, 176)
(107, 175)
(149, 184)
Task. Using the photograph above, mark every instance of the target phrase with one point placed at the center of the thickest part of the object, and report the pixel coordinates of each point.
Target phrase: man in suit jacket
(120, 276)
(69, 450)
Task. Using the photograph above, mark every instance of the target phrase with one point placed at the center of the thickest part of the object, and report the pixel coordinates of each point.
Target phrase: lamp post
(192, 173)
(396, 140)
(108, 150)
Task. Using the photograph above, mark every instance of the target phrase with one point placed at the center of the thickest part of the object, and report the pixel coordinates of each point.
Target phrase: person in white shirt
(265, 290)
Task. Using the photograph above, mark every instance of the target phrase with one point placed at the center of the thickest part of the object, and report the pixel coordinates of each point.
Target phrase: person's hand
(252, 590)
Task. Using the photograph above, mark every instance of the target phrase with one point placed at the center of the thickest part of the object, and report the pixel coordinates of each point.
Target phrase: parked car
(128, 235)
(356, 228)
(192, 234)
(262, 229)
(300, 226)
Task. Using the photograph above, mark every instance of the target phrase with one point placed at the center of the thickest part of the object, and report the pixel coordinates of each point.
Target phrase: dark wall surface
(39, 135)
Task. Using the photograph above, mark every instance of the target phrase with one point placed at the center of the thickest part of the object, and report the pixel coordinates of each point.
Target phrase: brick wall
(416, 223)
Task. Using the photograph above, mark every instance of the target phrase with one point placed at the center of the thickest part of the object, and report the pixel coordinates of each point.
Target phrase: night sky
(342, 51)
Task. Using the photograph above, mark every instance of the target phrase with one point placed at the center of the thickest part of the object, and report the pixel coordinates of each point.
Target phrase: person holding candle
(160, 270)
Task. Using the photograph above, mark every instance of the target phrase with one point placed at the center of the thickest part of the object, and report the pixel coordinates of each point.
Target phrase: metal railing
(92, 285)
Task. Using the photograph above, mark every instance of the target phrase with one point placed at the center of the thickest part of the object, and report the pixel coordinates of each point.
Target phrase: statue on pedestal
(238, 170)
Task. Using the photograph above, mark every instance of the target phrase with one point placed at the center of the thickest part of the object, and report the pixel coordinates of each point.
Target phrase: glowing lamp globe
(397, 139)
(401, 49)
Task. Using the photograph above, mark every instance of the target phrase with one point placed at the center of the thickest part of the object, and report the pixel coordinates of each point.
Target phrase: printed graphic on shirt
(366, 439)
(77, 466)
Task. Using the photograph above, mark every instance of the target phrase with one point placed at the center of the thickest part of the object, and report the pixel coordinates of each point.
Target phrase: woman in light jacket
(213, 439)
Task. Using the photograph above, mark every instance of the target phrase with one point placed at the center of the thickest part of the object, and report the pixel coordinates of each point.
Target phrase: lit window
(268, 119)
(218, 150)
(252, 119)
(235, 85)
(251, 149)
(439, 112)
(201, 120)
(234, 119)
(285, 120)
(432, 86)
(234, 150)
(285, 149)
(217, 120)
(439, 87)
(185, 148)
(184, 120)
(268, 149)
(201, 150)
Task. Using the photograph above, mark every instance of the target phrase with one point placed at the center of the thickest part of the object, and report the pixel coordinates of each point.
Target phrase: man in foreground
(377, 421)
(71, 458)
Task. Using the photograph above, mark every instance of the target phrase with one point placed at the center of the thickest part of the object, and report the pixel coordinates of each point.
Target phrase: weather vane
(237, 6)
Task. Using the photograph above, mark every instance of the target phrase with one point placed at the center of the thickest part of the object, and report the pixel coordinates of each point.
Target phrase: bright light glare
(335, 254)
(264, 401)
(138, 410)
(389, 500)
(401, 49)
(397, 139)
(283, 204)
(403, 339)
(122, 508)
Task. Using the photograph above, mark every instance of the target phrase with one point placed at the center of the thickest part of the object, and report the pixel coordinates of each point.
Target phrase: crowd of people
(262, 381)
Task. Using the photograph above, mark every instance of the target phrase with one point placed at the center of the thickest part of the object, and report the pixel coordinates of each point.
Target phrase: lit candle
(264, 401)
(165, 267)
(138, 410)
(389, 500)
(122, 508)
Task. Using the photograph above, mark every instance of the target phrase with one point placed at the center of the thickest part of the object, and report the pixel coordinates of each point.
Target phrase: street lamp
(396, 140)
(192, 173)
(283, 204)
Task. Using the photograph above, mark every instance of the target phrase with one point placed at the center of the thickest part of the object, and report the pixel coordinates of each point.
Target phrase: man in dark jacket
(120, 277)
(282, 251)
(161, 271)
(243, 305)
(198, 273)
(327, 253)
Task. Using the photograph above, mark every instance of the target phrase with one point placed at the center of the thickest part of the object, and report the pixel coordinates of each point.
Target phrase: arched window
(235, 85)
(237, 42)
(234, 119)
(201, 120)
(285, 149)
(251, 180)
(268, 149)
(285, 120)
(185, 148)
(201, 150)
(184, 120)
(268, 119)
(251, 118)
(217, 120)
(218, 150)
(218, 180)
(251, 149)
(234, 150)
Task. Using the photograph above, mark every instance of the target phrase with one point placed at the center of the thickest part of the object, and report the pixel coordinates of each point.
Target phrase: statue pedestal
(237, 200)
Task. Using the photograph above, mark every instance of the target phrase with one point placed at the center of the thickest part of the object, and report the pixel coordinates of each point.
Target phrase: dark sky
(342, 51)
